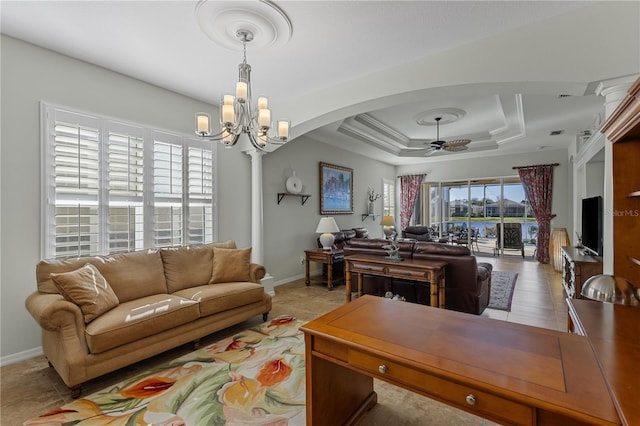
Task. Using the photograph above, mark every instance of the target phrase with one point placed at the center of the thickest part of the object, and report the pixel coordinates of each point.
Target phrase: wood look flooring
(30, 387)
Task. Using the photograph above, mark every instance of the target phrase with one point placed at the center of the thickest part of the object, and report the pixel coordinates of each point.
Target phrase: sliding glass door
(472, 212)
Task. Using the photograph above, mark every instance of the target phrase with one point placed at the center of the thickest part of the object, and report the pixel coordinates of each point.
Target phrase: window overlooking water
(468, 212)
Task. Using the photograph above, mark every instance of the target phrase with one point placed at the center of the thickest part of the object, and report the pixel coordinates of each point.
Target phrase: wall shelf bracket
(372, 216)
(303, 197)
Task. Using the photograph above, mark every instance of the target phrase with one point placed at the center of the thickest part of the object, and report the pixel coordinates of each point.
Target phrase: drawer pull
(382, 369)
(471, 399)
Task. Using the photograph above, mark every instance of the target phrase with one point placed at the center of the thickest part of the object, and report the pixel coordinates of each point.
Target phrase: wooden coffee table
(431, 271)
(506, 372)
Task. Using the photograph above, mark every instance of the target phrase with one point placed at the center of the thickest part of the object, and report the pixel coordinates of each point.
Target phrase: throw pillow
(87, 288)
(230, 265)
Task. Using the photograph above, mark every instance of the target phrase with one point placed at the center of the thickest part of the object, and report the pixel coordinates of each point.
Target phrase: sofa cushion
(214, 298)
(186, 267)
(46, 267)
(137, 319)
(133, 275)
(87, 288)
(230, 265)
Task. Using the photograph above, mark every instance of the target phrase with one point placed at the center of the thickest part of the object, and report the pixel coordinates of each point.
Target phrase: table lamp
(326, 226)
(388, 226)
(611, 289)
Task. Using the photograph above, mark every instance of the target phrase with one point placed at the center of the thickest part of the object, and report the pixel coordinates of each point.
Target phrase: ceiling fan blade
(431, 151)
(455, 148)
(457, 142)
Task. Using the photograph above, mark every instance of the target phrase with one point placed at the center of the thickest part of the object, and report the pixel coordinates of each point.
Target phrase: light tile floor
(30, 387)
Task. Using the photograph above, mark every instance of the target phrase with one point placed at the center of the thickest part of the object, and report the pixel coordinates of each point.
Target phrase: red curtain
(538, 186)
(409, 187)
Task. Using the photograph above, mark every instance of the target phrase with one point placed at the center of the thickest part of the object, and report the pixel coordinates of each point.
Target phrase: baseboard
(20, 356)
(288, 280)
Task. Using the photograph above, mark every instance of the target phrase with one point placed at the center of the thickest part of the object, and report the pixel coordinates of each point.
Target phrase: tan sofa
(140, 304)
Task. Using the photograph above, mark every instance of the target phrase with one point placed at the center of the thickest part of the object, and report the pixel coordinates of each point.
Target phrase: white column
(257, 228)
(613, 91)
(256, 206)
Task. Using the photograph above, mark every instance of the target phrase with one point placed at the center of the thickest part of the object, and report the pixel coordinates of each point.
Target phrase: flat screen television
(592, 225)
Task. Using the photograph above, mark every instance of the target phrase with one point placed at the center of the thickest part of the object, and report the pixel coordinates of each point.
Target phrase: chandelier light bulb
(263, 103)
(203, 124)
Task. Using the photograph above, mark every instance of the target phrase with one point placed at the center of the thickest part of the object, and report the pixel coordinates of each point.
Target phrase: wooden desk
(327, 257)
(431, 271)
(506, 372)
(613, 332)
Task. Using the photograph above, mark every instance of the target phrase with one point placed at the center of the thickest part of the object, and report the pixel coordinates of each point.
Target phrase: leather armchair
(467, 282)
(418, 233)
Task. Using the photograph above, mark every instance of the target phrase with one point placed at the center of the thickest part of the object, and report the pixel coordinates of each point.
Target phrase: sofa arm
(52, 311)
(256, 272)
(484, 271)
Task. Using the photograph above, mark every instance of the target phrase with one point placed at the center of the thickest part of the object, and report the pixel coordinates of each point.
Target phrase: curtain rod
(414, 174)
(535, 165)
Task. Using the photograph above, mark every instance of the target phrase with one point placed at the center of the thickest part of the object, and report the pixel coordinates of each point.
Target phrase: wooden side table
(326, 257)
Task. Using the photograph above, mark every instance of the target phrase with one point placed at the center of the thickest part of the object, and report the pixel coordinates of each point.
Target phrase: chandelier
(238, 115)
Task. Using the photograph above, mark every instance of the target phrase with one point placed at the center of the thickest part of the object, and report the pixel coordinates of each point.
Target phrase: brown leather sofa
(467, 282)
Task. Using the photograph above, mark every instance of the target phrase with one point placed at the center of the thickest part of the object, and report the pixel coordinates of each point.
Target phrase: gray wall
(289, 226)
(31, 75)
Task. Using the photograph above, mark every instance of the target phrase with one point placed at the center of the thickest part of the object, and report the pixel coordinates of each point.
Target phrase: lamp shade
(326, 226)
(611, 289)
(559, 238)
(388, 221)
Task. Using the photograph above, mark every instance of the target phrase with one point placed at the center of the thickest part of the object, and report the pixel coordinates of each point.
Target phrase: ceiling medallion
(221, 21)
(443, 116)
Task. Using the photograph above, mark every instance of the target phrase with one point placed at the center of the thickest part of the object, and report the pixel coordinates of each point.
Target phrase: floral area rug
(255, 377)
(502, 285)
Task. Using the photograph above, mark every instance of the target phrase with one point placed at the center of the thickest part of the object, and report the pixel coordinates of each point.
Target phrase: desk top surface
(539, 367)
(614, 331)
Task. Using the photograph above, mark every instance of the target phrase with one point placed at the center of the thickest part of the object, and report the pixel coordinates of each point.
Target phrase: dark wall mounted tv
(592, 225)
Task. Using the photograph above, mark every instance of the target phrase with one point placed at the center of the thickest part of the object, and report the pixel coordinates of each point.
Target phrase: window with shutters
(110, 186)
(388, 197)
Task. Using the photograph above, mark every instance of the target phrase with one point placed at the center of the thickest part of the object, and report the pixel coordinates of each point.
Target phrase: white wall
(31, 75)
(594, 174)
(289, 226)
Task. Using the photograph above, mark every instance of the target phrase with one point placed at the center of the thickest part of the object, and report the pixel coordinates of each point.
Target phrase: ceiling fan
(451, 146)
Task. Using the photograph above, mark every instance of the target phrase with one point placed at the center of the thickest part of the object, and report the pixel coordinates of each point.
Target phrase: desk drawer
(367, 267)
(462, 396)
(406, 273)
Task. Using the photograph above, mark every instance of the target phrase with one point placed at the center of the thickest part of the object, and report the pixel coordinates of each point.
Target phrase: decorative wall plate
(294, 184)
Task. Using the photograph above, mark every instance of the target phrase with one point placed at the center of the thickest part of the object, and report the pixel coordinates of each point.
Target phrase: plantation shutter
(109, 186)
(126, 179)
(200, 195)
(167, 190)
(74, 189)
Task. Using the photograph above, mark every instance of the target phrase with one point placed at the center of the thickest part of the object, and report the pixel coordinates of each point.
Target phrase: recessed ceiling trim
(514, 116)
(379, 127)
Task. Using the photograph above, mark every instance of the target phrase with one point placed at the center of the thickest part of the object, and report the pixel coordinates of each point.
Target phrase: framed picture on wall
(336, 189)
